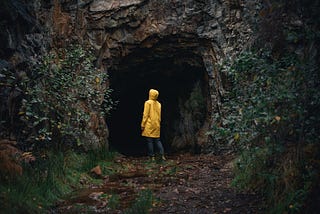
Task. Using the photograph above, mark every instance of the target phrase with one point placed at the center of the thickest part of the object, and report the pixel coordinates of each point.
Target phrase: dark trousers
(154, 141)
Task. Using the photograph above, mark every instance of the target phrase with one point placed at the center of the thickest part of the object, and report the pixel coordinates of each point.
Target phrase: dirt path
(204, 187)
(183, 184)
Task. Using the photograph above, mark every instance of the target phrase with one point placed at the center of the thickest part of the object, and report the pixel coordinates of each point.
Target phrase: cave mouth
(183, 93)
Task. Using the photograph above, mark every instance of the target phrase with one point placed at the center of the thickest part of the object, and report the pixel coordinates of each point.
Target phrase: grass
(53, 175)
(142, 204)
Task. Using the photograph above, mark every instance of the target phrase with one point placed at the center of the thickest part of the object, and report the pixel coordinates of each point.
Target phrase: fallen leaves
(183, 184)
(96, 170)
(277, 118)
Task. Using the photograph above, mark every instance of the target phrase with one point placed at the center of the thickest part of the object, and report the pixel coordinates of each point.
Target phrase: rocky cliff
(177, 42)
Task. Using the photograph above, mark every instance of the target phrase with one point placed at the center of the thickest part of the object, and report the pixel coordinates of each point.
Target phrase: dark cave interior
(174, 76)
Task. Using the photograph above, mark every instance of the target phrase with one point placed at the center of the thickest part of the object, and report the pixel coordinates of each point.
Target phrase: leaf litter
(185, 183)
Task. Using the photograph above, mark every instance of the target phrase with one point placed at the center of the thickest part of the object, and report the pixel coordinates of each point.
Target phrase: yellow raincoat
(150, 124)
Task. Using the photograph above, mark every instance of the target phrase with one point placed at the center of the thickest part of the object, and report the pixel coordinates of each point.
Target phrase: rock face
(143, 40)
(21, 40)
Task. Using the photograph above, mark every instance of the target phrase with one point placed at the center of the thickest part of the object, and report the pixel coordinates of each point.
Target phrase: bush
(271, 116)
(63, 95)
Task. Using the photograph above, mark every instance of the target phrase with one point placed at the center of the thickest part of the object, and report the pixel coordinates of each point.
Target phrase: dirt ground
(184, 183)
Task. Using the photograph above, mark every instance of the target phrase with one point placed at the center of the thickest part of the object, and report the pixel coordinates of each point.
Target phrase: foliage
(62, 93)
(265, 98)
(142, 204)
(98, 157)
(53, 175)
(114, 201)
(272, 114)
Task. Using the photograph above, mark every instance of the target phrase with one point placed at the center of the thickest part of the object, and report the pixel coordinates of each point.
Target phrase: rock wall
(22, 39)
(209, 29)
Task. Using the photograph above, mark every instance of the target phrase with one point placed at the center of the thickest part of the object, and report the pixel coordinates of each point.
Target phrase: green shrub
(271, 115)
(62, 93)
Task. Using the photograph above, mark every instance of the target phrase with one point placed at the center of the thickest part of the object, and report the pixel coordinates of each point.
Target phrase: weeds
(142, 204)
(53, 175)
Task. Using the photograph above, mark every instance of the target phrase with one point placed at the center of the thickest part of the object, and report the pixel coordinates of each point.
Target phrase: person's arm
(160, 112)
(145, 115)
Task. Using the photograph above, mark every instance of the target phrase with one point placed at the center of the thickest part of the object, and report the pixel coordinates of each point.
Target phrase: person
(150, 124)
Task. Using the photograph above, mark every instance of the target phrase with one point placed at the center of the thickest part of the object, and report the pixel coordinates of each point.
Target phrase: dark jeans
(154, 141)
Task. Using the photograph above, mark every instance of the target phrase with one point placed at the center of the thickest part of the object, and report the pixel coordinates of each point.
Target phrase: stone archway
(132, 37)
(177, 70)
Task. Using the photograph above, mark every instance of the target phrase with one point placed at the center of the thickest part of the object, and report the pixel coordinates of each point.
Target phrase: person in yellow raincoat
(150, 124)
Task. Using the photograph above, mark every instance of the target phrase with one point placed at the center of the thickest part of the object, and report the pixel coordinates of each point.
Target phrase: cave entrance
(183, 93)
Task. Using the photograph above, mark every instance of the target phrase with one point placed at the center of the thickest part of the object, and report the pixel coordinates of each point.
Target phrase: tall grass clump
(51, 176)
(142, 204)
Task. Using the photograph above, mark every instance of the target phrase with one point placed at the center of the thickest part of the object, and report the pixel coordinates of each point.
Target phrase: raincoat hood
(153, 94)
